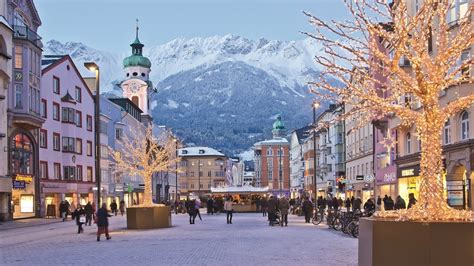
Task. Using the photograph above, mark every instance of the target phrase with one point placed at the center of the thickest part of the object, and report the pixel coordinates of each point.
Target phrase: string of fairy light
(364, 54)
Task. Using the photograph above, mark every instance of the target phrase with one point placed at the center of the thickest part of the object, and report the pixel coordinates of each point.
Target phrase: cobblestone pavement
(248, 241)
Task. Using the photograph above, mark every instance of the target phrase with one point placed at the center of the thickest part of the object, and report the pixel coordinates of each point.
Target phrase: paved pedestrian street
(248, 241)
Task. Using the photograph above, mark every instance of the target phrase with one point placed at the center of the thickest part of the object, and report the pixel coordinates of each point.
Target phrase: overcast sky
(110, 24)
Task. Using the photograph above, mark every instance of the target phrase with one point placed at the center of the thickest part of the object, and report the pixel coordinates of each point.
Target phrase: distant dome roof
(278, 124)
(136, 60)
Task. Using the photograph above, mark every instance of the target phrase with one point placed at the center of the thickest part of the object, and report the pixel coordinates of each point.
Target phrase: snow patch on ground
(172, 104)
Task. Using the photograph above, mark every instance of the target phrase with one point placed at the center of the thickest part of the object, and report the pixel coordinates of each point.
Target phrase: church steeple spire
(136, 45)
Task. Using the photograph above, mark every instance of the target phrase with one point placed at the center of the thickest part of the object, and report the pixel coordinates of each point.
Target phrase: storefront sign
(409, 171)
(455, 185)
(455, 198)
(25, 178)
(389, 177)
(359, 177)
(19, 184)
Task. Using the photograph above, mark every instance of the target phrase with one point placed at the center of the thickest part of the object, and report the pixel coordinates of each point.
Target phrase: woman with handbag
(79, 214)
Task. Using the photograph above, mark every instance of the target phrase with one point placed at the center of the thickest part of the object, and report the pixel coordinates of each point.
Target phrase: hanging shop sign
(359, 177)
(389, 177)
(409, 171)
(19, 184)
(25, 178)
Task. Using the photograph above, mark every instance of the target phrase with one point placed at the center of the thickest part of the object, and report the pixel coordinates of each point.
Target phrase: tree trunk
(148, 193)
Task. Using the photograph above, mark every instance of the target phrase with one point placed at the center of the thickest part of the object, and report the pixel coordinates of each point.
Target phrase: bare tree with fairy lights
(377, 37)
(144, 154)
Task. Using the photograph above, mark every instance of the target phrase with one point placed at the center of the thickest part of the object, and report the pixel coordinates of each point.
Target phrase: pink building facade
(66, 155)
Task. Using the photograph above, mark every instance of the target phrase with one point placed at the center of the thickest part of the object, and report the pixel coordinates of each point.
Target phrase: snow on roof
(242, 189)
(199, 151)
(278, 141)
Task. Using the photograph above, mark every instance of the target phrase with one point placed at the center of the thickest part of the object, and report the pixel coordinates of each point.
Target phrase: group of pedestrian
(398, 204)
(64, 209)
(271, 207)
(215, 205)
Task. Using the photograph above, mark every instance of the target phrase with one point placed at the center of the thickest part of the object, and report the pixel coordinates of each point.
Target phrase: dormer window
(201, 152)
(184, 152)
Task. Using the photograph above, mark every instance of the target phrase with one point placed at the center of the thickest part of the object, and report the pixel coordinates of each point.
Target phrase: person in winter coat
(400, 203)
(271, 207)
(264, 206)
(347, 204)
(379, 202)
(102, 220)
(284, 208)
(88, 210)
(369, 206)
(197, 205)
(63, 210)
(411, 200)
(229, 209)
(79, 215)
(210, 206)
(122, 207)
(329, 202)
(190, 207)
(307, 210)
(335, 203)
(356, 204)
(113, 207)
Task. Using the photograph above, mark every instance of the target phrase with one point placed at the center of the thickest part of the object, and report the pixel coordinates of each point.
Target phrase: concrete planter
(148, 217)
(389, 242)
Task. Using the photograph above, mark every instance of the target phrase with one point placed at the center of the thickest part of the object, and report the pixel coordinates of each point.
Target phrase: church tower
(137, 87)
(279, 130)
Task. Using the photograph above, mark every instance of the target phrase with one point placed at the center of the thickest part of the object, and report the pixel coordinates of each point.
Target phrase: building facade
(200, 169)
(6, 48)
(297, 160)
(66, 151)
(272, 161)
(24, 118)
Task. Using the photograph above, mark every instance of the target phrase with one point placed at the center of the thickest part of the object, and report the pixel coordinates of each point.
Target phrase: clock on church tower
(137, 87)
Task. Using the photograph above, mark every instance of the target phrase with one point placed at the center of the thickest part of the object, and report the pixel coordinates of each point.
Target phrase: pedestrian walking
(210, 206)
(197, 204)
(257, 204)
(122, 207)
(89, 211)
(271, 207)
(264, 206)
(307, 210)
(284, 209)
(63, 210)
(229, 209)
(400, 203)
(102, 220)
(79, 216)
(113, 207)
(347, 204)
(190, 207)
(335, 203)
(356, 205)
(411, 200)
(379, 203)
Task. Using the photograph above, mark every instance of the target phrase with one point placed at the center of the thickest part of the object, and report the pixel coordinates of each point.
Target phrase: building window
(18, 95)
(43, 170)
(43, 138)
(78, 95)
(34, 100)
(18, 57)
(269, 152)
(192, 185)
(68, 115)
(270, 175)
(69, 172)
(56, 111)
(458, 9)
(79, 146)
(118, 133)
(447, 132)
(464, 125)
(135, 100)
(79, 172)
(69, 144)
(89, 174)
(57, 171)
(89, 122)
(56, 143)
(104, 152)
(78, 118)
(209, 173)
(408, 143)
(103, 127)
(22, 155)
(191, 174)
(465, 56)
(44, 108)
(56, 86)
(89, 148)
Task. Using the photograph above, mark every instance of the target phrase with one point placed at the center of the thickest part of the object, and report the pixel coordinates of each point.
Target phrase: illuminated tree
(145, 154)
(376, 38)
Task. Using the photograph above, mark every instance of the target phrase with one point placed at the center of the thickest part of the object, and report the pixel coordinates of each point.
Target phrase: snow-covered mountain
(222, 91)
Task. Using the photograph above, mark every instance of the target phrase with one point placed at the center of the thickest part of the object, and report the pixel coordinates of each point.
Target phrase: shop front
(460, 174)
(53, 193)
(245, 197)
(386, 182)
(409, 181)
(362, 189)
(23, 167)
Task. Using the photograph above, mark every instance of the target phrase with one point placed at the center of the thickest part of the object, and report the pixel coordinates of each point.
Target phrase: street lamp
(315, 106)
(279, 171)
(91, 66)
(199, 178)
(175, 140)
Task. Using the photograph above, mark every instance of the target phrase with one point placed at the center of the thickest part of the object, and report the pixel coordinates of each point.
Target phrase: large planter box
(389, 242)
(148, 217)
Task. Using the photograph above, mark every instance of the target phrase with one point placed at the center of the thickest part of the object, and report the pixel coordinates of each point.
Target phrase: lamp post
(91, 66)
(280, 170)
(176, 171)
(199, 179)
(315, 106)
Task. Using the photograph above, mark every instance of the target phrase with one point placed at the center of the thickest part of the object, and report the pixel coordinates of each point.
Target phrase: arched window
(20, 20)
(464, 125)
(22, 155)
(447, 132)
(408, 143)
(135, 100)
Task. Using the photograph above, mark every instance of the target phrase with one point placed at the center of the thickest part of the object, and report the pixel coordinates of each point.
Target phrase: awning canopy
(241, 190)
